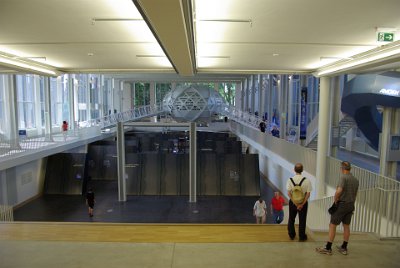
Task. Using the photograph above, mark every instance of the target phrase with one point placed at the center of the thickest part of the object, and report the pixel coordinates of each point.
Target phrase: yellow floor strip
(149, 233)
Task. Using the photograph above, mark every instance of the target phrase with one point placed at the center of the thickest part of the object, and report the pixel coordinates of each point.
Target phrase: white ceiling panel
(229, 35)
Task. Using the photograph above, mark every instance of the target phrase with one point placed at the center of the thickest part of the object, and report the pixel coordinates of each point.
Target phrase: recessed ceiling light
(90, 54)
(275, 54)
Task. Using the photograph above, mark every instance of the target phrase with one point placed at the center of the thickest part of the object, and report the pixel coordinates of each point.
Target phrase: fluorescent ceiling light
(27, 66)
(94, 20)
(214, 57)
(150, 56)
(369, 57)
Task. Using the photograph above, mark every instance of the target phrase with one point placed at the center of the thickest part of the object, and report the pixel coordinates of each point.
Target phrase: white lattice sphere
(190, 103)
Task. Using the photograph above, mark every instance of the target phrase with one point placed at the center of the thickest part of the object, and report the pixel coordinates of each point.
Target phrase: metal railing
(377, 205)
(113, 119)
(366, 178)
(12, 147)
(6, 213)
(376, 211)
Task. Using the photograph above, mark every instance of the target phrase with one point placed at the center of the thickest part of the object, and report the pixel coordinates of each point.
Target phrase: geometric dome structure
(189, 103)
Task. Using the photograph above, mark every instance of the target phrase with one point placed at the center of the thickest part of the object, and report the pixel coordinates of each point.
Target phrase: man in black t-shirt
(90, 201)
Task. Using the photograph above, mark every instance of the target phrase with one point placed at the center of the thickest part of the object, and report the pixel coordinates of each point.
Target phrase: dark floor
(160, 209)
(143, 209)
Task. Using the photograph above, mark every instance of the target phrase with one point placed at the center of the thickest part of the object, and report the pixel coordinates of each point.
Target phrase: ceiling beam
(172, 25)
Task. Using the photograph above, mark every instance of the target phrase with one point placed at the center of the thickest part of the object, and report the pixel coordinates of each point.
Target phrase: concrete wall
(21, 183)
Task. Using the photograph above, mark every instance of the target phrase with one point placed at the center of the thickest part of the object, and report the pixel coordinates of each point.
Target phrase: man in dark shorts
(345, 196)
(90, 201)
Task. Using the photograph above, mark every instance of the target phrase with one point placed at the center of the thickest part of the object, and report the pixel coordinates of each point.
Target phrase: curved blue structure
(363, 94)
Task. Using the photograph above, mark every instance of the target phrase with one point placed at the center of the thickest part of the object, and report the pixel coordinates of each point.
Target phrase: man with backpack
(299, 189)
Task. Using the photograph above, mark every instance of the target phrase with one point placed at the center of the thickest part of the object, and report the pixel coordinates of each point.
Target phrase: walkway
(41, 249)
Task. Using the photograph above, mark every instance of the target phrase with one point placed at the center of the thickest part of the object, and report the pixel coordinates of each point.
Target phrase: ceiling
(194, 39)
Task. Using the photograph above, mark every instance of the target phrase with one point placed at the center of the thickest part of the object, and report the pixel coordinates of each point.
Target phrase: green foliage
(142, 94)
(227, 91)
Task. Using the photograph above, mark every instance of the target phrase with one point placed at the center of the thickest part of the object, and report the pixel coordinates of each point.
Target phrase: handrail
(12, 147)
(6, 213)
(376, 211)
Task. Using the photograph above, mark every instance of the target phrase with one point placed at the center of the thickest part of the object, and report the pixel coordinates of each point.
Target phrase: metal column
(323, 135)
(192, 161)
(121, 162)
(390, 125)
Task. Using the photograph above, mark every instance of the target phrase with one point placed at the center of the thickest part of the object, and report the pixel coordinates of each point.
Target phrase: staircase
(345, 125)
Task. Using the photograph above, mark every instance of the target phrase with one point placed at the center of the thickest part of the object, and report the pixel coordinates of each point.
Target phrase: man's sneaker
(323, 250)
(342, 250)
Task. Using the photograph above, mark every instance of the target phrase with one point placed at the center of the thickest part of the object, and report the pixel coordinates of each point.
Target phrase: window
(25, 101)
(3, 127)
(227, 91)
(142, 94)
(161, 91)
(82, 98)
(95, 90)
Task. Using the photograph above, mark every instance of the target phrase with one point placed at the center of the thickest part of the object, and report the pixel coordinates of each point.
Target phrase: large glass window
(3, 127)
(82, 97)
(107, 100)
(95, 91)
(26, 101)
(227, 91)
(161, 91)
(142, 94)
(59, 100)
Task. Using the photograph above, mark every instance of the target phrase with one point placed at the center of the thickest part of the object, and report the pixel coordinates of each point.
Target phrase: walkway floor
(44, 250)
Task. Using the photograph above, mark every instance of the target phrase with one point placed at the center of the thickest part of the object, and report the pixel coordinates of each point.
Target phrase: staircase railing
(376, 211)
(6, 213)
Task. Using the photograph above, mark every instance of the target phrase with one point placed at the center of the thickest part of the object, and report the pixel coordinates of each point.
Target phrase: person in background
(277, 203)
(275, 131)
(345, 197)
(90, 201)
(64, 128)
(262, 125)
(260, 211)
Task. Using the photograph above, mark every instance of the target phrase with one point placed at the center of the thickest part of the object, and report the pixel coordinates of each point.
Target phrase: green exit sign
(385, 37)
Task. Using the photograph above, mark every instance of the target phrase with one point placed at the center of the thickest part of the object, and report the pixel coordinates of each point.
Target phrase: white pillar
(283, 105)
(270, 95)
(152, 94)
(290, 103)
(47, 110)
(390, 125)
(38, 108)
(11, 108)
(335, 111)
(245, 106)
(88, 93)
(193, 163)
(253, 95)
(323, 135)
(396, 130)
(71, 101)
(303, 84)
(238, 96)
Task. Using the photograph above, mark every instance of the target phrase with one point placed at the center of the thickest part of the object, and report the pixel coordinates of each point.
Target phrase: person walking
(277, 203)
(344, 198)
(260, 211)
(64, 128)
(299, 189)
(90, 201)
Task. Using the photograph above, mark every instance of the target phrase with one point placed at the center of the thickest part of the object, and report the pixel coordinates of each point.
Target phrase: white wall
(21, 183)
